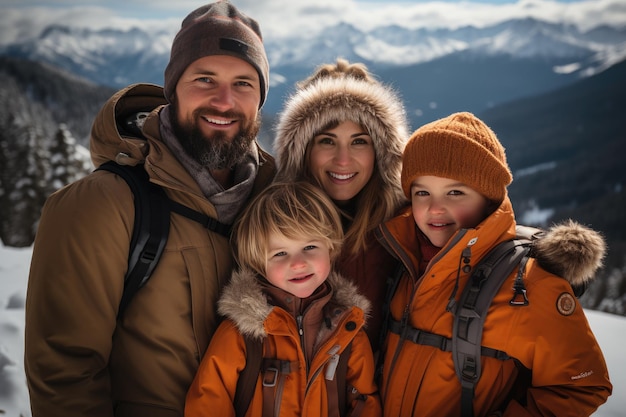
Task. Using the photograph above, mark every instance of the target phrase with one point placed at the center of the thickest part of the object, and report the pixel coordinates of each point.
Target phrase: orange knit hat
(459, 147)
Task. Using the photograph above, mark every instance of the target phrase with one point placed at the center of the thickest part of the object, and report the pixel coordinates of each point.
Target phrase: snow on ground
(609, 329)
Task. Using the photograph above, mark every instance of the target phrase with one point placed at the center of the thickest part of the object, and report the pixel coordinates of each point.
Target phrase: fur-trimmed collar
(244, 302)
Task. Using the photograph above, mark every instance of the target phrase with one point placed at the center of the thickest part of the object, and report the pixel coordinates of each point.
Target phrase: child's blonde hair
(291, 209)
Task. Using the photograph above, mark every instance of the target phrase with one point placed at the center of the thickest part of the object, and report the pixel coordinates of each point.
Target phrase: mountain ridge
(559, 54)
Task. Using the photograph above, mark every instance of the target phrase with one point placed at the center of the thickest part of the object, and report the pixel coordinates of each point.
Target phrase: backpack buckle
(515, 301)
(270, 377)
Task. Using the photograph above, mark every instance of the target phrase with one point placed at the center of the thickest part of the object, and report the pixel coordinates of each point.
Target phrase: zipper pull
(331, 366)
(299, 322)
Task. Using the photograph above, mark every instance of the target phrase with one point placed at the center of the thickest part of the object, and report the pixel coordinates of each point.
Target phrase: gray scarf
(228, 203)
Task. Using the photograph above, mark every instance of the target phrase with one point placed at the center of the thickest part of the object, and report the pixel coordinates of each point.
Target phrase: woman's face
(342, 160)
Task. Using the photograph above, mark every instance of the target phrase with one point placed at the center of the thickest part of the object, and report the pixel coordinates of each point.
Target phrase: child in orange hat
(456, 175)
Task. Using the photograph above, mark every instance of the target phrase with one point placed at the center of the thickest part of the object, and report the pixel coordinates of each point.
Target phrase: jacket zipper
(299, 320)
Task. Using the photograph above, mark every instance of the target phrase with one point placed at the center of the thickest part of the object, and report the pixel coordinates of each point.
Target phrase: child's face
(297, 266)
(441, 206)
(342, 160)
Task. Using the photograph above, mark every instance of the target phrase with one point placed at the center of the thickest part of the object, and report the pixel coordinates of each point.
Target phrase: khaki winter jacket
(81, 361)
(335, 320)
(550, 336)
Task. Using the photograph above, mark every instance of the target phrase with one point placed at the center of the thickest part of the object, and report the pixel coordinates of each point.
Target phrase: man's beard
(214, 152)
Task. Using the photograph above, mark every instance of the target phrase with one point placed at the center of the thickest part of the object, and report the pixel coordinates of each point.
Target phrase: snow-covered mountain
(115, 57)
(395, 45)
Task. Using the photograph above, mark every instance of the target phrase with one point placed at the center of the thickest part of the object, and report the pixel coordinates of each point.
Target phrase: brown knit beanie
(217, 29)
(459, 147)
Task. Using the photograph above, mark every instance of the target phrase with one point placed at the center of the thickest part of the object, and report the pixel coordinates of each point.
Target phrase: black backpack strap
(206, 221)
(421, 337)
(152, 225)
(392, 286)
(152, 222)
(471, 312)
(249, 376)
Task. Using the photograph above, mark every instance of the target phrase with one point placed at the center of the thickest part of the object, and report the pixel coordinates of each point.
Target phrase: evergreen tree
(67, 161)
(30, 189)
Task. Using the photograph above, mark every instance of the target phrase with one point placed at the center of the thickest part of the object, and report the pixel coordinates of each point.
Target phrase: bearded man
(195, 137)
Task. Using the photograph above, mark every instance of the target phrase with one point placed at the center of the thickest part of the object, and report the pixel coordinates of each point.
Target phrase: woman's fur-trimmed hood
(571, 251)
(368, 103)
(244, 302)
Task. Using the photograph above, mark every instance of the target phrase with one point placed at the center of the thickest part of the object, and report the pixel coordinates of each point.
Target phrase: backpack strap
(471, 312)
(273, 375)
(347, 394)
(151, 229)
(392, 286)
(206, 221)
(340, 377)
(249, 376)
(272, 371)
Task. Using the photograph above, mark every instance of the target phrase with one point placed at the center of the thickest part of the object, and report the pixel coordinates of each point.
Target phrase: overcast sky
(282, 17)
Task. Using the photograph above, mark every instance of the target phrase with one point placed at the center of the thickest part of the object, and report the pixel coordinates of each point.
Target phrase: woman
(345, 131)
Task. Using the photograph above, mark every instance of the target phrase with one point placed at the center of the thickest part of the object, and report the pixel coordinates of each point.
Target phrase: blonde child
(455, 174)
(286, 295)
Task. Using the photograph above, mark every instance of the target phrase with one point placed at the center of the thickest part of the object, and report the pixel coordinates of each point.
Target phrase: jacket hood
(112, 137)
(244, 302)
(571, 251)
(370, 104)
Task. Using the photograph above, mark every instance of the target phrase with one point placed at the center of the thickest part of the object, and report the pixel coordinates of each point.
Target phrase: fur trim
(244, 302)
(572, 251)
(346, 293)
(370, 104)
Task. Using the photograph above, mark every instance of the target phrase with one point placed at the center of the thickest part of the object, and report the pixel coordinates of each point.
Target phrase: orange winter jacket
(557, 370)
(329, 324)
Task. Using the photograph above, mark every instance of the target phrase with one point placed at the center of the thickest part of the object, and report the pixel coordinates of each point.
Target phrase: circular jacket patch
(566, 304)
